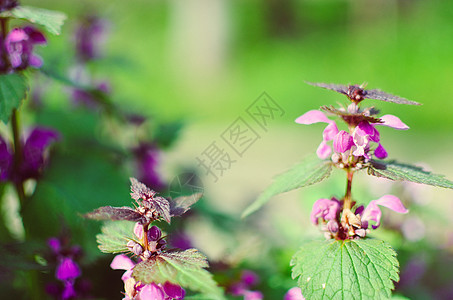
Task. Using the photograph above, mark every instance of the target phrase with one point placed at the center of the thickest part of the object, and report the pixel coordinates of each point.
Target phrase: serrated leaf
(351, 269)
(308, 172)
(13, 89)
(114, 213)
(115, 236)
(397, 171)
(182, 204)
(50, 19)
(185, 268)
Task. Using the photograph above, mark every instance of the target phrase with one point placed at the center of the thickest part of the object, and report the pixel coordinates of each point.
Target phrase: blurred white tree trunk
(198, 38)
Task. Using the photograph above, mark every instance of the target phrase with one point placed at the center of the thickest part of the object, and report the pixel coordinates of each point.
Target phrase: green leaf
(308, 172)
(351, 269)
(50, 19)
(13, 89)
(115, 236)
(185, 268)
(397, 171)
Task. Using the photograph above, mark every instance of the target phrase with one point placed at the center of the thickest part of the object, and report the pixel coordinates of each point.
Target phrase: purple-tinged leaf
(140, 191)
(357, 93)
(115, 213)
(180, 205)
(351, 118)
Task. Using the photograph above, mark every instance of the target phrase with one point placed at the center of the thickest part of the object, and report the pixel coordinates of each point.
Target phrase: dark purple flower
(54, 244)
(173, 291)
(34, 149)
(68, 290)
(19, 45)
(7, 4)
(89, 36)
(147, 160)
(91, 99)
(67, 270)
(325, 209)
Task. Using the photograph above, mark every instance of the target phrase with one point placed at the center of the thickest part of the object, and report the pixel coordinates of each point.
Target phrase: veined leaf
(185, 268)
(308, 172)
(50, 19)
(13, 89)
(182, 204)
(397, 171)
(115, 235)
(115, 213)
(351, 269)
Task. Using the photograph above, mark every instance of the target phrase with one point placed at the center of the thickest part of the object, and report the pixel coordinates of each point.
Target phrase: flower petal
(380, 152)
(138, 230)
(342, 142)
(253, 295)
(311, 117)
(373, 213)
(122, 262)
(364, 128)
(330, 131)
(324, 208)
(323, 150)
(294, 293)
(67, 269)
(393, 121)
(174, 291)
(151, 292)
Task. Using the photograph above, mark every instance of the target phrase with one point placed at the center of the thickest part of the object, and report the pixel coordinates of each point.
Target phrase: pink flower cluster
(139, 291)
(356, 142)
(351, 225)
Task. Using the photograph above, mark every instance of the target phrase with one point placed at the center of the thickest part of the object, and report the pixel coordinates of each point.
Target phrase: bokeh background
(203, 62)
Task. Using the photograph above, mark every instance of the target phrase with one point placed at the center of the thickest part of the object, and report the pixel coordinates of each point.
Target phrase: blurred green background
(206, 61)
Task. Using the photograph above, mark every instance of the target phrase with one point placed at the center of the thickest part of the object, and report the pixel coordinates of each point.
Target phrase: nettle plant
(157, 272)
(348, 264)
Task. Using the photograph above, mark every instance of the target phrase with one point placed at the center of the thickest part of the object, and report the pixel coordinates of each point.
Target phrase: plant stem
(347, 196)
(4, 32)
(17, 156)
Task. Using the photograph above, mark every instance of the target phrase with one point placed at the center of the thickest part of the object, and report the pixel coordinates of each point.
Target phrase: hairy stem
(347, 196)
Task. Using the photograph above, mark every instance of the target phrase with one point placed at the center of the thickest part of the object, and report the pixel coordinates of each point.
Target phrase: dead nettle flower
(8, 4)
(147, 158)
(243, 286)
(294, 293)
(138, 290)
(33, 157)
(353, 147)
(19, 44)
(89, 36)
(67, 269)
(341, 223)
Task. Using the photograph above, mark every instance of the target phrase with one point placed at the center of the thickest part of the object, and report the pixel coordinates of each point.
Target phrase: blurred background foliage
(202, 63)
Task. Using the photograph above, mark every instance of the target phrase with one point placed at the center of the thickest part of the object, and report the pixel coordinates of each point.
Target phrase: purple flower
(89, 36)
(88, 98)
(342, 142)
(19, 45)
(364, 133)
(138, 290)
(7, 4)
(373, 213)
(33, 155)
(316, 116)
(67, 270)
(147, 159)
(243, 286)
(294, 293)
(325, 209)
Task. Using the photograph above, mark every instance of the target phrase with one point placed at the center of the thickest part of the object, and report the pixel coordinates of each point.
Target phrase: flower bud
(342, 142)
